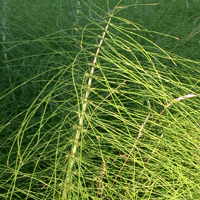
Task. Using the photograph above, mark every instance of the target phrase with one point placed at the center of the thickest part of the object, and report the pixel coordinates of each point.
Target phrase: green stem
(85, 102)
(81, 117)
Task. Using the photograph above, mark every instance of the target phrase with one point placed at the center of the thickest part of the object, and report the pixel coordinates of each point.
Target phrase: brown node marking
(85, 100)
(76, 140)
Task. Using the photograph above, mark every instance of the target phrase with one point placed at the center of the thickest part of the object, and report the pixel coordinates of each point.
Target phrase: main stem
(81, 117)
(85, 102)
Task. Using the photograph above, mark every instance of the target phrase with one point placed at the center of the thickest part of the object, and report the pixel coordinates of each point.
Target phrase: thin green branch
(133, 148)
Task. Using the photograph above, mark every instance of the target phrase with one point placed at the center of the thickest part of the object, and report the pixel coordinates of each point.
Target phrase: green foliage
(131, 132)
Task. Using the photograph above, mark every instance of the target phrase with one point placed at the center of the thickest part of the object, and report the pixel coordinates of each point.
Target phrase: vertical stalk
(4, 38)
(4, 28)
(85, 101)
(76, 24)
(78, 11)
(82, 114)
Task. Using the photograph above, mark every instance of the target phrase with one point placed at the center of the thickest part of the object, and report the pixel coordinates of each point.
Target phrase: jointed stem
(84, 106)
(135, 144)
(140, 132)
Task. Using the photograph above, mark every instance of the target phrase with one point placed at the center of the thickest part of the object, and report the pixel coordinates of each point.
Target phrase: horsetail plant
(84, 107)
(126, 126)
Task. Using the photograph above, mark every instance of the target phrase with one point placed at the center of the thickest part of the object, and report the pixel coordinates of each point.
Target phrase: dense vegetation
(99, 99)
